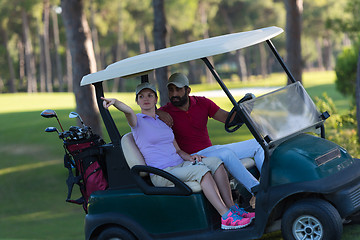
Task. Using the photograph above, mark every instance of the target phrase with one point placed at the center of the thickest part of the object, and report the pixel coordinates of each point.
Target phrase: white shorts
(187, 172)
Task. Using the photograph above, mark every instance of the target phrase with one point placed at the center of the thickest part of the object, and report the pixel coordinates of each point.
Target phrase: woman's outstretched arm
(128, 111)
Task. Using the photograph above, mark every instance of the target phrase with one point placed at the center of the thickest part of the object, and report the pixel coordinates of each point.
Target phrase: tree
(160, 42)
(357, 96)
(59, 71)
(29, 55)
(11, 82)
(186, 12)
(349, 21)
(294, 10)
(345, 69)
(225, 10)
(83, 60)
(48, 69)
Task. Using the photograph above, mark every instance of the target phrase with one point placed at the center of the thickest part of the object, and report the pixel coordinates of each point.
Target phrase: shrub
(345, 69)
(340, 128)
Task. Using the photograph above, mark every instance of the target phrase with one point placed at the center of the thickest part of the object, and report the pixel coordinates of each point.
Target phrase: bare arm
(165, 117)
(186, 156)
(129, 113)
(221, 115)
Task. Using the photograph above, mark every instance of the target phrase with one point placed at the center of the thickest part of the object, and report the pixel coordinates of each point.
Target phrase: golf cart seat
(134, 157)
(248, 162)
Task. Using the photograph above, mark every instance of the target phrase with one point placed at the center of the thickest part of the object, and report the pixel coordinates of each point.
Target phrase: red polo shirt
(190, 127)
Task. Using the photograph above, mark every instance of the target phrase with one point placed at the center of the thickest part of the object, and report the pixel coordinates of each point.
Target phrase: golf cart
(308, 185)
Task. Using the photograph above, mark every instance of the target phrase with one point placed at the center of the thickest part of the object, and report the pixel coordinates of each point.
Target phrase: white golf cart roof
(181, 53)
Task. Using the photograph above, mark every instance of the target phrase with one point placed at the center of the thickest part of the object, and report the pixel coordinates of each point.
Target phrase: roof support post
(281, 61)
(106, 116)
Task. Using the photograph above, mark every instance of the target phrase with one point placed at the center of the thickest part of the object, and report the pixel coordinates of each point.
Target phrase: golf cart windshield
(282, 113)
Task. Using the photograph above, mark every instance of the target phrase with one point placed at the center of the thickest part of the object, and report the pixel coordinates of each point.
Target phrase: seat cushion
(248, 162)
(131, 151)
(134, 157)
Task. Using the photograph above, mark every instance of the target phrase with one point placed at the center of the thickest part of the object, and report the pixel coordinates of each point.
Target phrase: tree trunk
(95, 38)
(263, 60)
(1, 85)
(11, 82)
(20, 46)
(83, 60)
(42, 62)
(328, 51)
(358, 96)
(160, 42)
(239, 59)
(204, 23)
(293, 37)
(59, 68)
(193, 75)
(46, 21)
(118, 82)
(319, 54)
(69, 76)
(29, 56)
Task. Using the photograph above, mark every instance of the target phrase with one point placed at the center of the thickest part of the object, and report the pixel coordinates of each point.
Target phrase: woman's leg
(211, 192)
(188, 172)
(222, 182)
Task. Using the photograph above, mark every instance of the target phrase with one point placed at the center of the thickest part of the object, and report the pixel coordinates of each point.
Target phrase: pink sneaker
(231, 220)
(241, 212)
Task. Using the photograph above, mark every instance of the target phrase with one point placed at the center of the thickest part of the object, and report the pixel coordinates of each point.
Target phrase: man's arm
(165, 117)
(221, 115)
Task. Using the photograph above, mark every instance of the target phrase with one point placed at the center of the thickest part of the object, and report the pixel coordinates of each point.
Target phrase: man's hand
(196, 158)
(165, 117)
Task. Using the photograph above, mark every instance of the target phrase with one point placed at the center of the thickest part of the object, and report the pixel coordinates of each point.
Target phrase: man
(189, 117)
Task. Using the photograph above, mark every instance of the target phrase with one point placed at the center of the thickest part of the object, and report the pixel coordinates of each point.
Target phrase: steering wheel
(237, 122)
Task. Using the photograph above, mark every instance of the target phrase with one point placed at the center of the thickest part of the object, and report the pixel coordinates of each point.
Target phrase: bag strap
(71, 180)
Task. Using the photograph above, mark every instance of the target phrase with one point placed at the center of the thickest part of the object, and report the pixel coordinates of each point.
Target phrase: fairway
(32, 175)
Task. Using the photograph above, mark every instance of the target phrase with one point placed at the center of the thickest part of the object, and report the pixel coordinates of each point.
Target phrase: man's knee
(226, 155)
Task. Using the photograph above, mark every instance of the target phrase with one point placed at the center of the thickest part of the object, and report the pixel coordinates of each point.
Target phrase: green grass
(32, 176)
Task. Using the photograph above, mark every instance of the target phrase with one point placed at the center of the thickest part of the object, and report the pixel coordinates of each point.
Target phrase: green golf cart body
(308, 185)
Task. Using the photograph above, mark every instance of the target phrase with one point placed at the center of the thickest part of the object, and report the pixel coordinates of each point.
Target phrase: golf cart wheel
(115, 233)
(313, 219)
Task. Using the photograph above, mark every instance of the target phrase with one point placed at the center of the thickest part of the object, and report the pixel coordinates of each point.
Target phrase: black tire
(311, 219)
(115, 233)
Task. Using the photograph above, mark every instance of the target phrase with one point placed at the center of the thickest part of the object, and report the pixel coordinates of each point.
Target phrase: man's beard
(180, 101)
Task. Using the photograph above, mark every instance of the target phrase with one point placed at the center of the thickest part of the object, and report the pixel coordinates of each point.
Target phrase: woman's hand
(108, 102)
(129, 113)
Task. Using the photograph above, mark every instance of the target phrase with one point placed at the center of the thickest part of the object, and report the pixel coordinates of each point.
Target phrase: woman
(158, 146)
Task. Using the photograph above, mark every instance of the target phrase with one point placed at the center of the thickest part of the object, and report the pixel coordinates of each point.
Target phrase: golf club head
(51, 129)
(73, 115)
(48, 113)
(76, 115)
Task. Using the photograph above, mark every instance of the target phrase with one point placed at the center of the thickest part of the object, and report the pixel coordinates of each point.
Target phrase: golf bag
(87, 159)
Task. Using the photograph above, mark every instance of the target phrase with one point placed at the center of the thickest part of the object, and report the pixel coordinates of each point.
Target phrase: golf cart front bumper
(341, 189)
(347, 199)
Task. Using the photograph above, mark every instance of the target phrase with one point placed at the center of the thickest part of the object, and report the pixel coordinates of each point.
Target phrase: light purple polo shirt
(155, 141)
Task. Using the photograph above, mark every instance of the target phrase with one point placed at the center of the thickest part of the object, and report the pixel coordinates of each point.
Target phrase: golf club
(76, 115)
(51, 129)
(50, 114)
